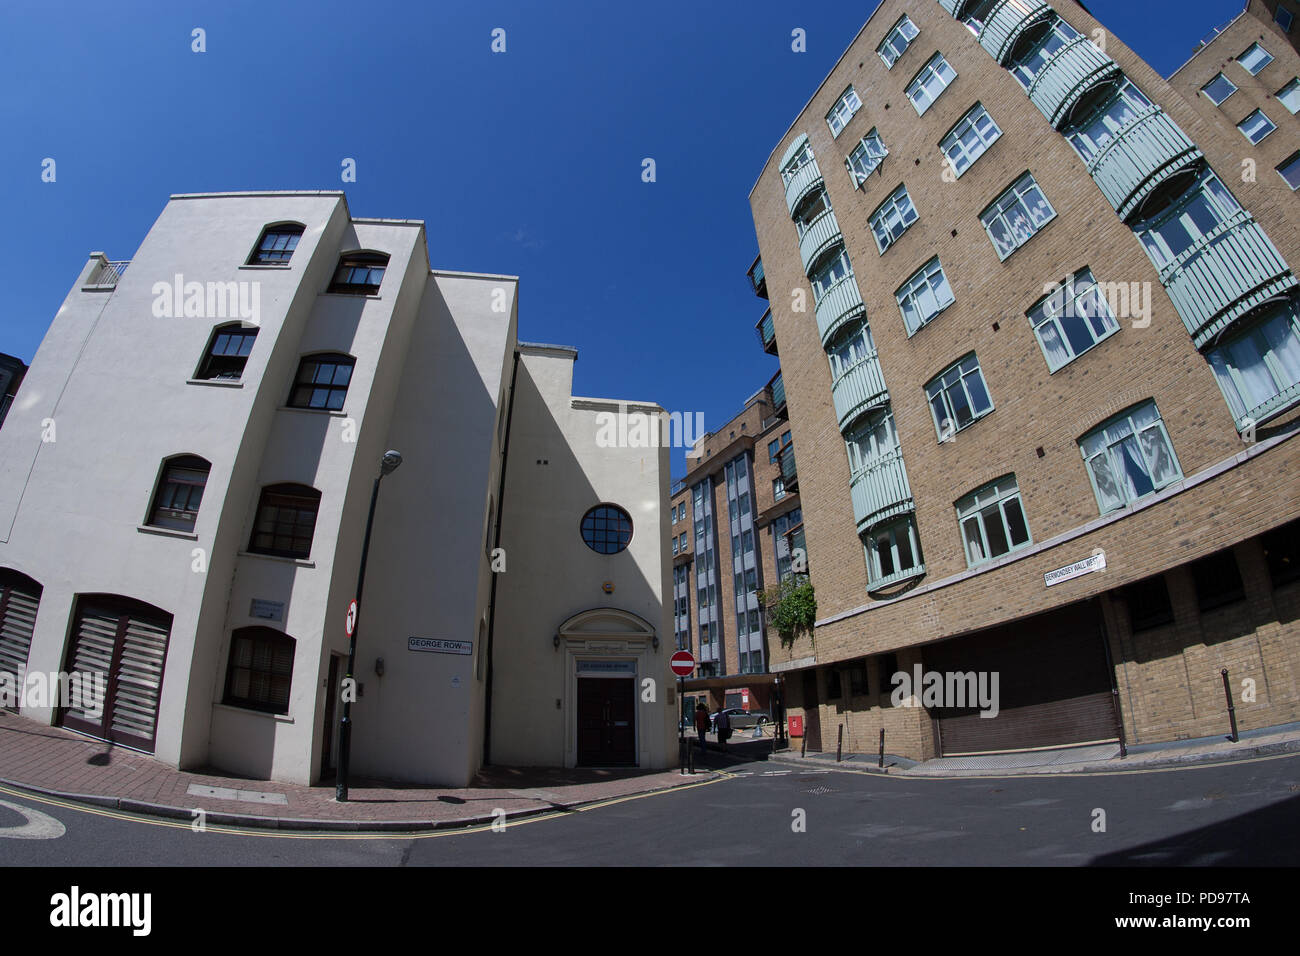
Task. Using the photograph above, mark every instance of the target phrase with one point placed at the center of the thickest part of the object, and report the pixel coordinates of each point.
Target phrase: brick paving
(58, 761)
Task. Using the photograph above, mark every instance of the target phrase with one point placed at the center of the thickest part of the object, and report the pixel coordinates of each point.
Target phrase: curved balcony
(823, 233)
(806, 178)
(1145, 154)
(1007, 23)
(957, 8)
(860, 389)
(1230, 272)
(880, 491)
(767, 333)
(1077, 68)
(841, 303)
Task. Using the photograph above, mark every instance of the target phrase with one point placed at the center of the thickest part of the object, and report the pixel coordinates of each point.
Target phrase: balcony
(805, 179)
(821, 235)
(1231, 272)
(106, 276)
(860, 389)
(1077, 68)
(789, 474)
(767, 333)
(957, 8)
(841, 303)
(1007, 22)
(880, 491)
(777, 387)
(757, 280)
(1145, 154)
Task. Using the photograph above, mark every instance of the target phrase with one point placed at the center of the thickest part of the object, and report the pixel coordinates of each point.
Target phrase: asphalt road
(1218, 815)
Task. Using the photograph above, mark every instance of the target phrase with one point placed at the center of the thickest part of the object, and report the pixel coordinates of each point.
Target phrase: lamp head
(390, 462)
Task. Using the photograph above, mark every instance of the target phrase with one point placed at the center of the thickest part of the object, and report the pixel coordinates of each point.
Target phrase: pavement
(60, 763)
(1103, 758)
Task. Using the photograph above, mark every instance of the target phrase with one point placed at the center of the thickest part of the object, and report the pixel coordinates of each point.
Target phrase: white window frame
(1242, 59)
(849, 101)
(933, 70)
(1114, 464)
(891, 530)
(1267, 130)
(893, 214)
(873, 152)
(1002, 210)
(1292, 91)
(1079, 298)
(956, 375)
(991, 502)
(1210, 96)
(920, 286)
(952, 145)
(897, 32)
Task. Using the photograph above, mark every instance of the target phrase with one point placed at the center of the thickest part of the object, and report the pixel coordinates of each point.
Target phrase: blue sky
(527, 162)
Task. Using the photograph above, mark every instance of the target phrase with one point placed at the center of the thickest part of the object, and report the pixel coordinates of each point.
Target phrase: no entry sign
(351, 623)
(682, 663)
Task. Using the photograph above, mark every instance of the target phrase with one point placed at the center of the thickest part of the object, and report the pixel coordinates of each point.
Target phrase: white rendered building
(185, 477)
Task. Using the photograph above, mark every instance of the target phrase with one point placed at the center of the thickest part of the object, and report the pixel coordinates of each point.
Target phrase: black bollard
(881, 761)
(1232, 711)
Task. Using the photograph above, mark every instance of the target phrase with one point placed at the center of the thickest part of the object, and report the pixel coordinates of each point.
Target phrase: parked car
(742, 718)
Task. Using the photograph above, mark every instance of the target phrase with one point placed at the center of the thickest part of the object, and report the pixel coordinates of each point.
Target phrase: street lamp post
(387, 466)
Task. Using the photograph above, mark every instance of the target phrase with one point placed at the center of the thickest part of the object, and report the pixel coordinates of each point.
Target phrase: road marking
(776, 773)
(39, 826)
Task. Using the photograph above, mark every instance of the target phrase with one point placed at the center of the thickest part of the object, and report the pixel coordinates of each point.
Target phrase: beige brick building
(1040, 341)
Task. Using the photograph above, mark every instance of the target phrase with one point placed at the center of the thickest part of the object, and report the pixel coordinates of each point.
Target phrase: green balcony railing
(1143, 155)
(767, 333)
(1231, 271)
(880, 491)
(956, 7)
(757, 279)
(822, 233)
(805, 179)
(860, 389)
(840, 303)
(789, 474)
(1077, 68)
(778, 393)
(1007, 22)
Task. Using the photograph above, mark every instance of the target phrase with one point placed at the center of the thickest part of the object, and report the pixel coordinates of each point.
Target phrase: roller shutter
(1054, 685)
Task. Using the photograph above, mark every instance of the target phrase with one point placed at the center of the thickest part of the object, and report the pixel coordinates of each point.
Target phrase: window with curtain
(871, 440)
(924, 296)
(992, 521)
(958, 397)
(935, 77)
(1094, 132)
(1072, 320)
(1129, 456)
(829, 274)
(1038, 51)
(1017, 216)
(970, 138)
(1259, 368)
(1189, 220)
(850, 348)
(260, 671)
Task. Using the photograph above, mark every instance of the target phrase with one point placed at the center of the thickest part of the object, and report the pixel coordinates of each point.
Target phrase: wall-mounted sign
(266, 610)
(1096, 562)
(438, 646)
(606, 667)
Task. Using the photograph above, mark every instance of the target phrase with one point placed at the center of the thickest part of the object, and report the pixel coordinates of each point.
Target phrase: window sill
(167, 532)
(352, 295)
(300, 562)
(216, 382)
(235, 708)
(265, 265)
(333, 412)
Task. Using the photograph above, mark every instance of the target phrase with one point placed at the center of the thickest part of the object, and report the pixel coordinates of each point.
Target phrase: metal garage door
(1054, 685)
(125, 643)
(19, 597)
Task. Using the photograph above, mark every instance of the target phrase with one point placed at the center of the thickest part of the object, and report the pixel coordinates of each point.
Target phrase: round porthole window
(607, 529)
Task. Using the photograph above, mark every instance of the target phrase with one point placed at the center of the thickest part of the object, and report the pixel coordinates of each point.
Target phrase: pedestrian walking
(723, 727)
(702, 724)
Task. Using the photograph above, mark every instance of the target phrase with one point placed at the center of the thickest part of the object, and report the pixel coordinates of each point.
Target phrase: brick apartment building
(1040, 342)
(736, 527)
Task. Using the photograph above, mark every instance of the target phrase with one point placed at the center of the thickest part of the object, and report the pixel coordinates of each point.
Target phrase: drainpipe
(496, 543)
